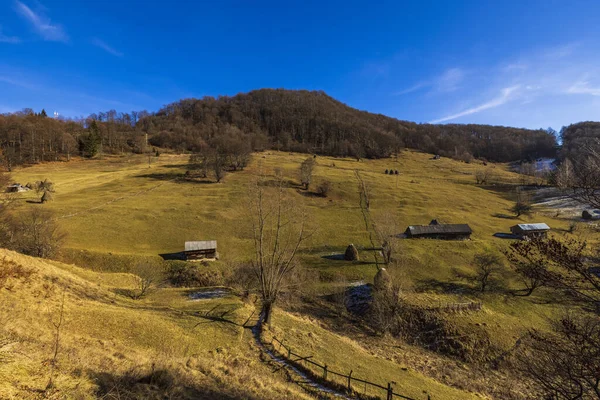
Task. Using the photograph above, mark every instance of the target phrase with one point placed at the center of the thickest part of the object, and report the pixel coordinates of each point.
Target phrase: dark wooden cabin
(435, 230)
(201, 250)
(530, 231)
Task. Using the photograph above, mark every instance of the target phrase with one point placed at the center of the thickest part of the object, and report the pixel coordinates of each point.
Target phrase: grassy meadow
(122, 208)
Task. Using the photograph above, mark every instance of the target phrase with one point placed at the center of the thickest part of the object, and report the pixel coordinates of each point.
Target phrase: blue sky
(524, 63)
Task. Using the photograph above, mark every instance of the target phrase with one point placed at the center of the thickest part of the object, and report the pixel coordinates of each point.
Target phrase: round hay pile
(382, 280)
(351, 253)
(47, 196)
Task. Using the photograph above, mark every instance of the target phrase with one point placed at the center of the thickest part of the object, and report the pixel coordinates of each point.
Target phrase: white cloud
(16, 82)
(449, 81)
(44, 27)
(8, 39)
(584, 87)
(104, 46)
(506, 94)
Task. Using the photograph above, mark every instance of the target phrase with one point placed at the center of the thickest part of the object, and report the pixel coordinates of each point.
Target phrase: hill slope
(114, 348)
(300, 120)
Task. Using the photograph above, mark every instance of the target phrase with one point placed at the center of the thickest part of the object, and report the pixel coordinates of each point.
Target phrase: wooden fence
(338, 380)
(458, 307)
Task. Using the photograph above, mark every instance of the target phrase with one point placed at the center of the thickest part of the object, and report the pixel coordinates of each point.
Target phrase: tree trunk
(267, 311)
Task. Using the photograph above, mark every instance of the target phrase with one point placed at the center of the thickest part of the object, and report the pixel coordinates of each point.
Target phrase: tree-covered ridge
(314, 122)
(294, 120)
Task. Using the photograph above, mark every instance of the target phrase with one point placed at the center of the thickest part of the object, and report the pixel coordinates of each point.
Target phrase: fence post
(325, 372)
(390, 392)
(349, 381)
(289, 353)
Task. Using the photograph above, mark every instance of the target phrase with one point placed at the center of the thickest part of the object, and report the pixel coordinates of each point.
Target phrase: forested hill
(268, 118)
(578, 138)
(315, 122)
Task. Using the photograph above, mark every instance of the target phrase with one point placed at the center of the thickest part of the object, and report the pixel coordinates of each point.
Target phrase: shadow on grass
(180, 256)
(308, 194)
(503, 235)
(161, 383)
(504, 216)
(177, 178)
(434, 285)
(34, 201)
(337, 257)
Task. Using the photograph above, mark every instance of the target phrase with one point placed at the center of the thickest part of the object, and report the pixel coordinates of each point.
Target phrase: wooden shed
(435, 230)
(201, 250)
(530, 231)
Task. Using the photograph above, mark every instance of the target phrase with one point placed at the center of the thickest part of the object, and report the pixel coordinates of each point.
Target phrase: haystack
(382, 280)
(351, 253)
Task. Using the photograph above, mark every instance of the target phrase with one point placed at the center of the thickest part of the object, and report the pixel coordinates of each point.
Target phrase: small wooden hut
(201, 250)
(530, 231)
(436, 230)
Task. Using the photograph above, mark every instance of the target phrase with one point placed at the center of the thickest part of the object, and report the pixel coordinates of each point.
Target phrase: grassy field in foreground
(121, 207)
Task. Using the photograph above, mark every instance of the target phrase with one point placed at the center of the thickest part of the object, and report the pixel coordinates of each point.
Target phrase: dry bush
(324, 188)
(37, 234)
(148, 275)
(183, 274)
(10, 270)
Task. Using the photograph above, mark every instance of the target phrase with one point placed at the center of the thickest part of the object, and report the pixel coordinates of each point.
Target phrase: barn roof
(201, 245)
(532, 227)
(462, 229)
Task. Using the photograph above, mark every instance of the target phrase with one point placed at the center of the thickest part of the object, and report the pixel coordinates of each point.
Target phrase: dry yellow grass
(122, 207)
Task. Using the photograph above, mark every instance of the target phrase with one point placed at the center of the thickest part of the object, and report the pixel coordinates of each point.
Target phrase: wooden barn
(530, 231)
(436, 230)
(201, 250)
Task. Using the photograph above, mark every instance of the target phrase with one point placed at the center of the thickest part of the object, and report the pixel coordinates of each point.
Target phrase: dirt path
(295, 374)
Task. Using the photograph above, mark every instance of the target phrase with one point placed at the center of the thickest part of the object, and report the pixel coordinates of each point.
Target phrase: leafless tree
(487, 264)
(37, 234)
(580, 178)
(147, 276)
(566, 266)
(278, 231)
(46, 188)
(56, 345)
(523, 204)
(364, 193)
(482, 176)
(306, 171)
(565, 363)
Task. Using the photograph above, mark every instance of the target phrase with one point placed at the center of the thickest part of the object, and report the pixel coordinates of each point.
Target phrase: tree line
(302, 121)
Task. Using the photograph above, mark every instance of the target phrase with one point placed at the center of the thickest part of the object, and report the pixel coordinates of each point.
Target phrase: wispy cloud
(16, 82)
(8, 39)
(505, 95)
(448, 81)
(42, 24)
(584, 87)
(104, 46)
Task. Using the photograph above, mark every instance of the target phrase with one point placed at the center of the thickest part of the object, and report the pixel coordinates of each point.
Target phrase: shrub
(324, 188)
(183, 274)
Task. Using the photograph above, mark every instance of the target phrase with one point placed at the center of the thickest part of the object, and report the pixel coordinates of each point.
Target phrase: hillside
(288, 120)
(111, 347)
(315, 122)
(119, 210)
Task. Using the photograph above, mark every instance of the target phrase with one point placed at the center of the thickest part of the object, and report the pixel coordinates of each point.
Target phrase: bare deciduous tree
(278, 231)
(306, 171)
(147, 275)
(487, 265)
(37, 234)
(565, 364)
(522, 205)
(580, 178)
